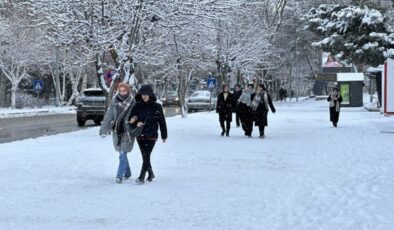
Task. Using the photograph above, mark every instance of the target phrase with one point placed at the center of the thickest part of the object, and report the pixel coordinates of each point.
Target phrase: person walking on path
(224, 107)
(116, 121)
(237, 93)
(335, 100)
(150, 113)
(245, 111)
(261, 103)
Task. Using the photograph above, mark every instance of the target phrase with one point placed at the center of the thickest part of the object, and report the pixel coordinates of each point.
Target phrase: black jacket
(261, 112)
(151, 114)
(224, 107)
(236, 96)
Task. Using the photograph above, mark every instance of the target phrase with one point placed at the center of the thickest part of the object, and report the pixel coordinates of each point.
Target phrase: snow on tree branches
(360, 34)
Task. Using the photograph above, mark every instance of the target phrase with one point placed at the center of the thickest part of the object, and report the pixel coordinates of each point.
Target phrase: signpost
(38, 86)
(211, 83)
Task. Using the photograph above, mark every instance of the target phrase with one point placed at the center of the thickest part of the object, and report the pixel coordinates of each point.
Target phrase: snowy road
(304, 175)
(27, 126)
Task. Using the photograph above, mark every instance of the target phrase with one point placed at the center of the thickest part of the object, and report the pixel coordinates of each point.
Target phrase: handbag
(134, 130)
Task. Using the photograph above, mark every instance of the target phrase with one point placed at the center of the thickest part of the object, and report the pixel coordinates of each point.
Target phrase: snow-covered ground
(45, 110)
(304, 175)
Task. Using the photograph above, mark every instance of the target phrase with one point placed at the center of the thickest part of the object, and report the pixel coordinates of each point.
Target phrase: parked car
(170, 98)
(201, 100)
(91, 105)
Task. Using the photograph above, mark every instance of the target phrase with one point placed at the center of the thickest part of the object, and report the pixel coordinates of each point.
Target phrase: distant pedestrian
(282, 94)
(245, 110)
(116, 121)
(224, 107)
(335, 100)
(148, 111)
(237, 93)
(261, 104)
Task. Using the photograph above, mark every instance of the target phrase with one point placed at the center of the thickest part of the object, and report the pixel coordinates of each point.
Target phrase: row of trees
(238, 40)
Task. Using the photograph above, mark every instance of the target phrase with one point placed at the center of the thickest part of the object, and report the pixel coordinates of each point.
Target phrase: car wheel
(81, 122)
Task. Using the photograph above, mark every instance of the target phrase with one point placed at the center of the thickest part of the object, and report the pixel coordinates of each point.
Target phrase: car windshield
(94, 93)
(171, 93)
(200, 94)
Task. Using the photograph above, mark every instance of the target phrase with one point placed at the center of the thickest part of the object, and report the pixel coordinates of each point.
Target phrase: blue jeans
(124, 167)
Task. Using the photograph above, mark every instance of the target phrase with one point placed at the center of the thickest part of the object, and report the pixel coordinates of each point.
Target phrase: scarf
(245, 97)
(257, 99)
(123, 104)
(334, 103)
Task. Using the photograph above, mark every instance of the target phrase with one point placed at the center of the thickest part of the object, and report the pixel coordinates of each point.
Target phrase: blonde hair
(124, 85)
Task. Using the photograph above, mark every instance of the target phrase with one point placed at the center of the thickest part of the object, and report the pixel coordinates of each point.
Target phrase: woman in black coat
(236, 95)
(148, 111)
(245, 110)
(261, 103)
(335, 100)
(224, 107)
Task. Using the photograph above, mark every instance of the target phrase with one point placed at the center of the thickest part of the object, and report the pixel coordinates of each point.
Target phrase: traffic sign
(38, 85)
(211, 83)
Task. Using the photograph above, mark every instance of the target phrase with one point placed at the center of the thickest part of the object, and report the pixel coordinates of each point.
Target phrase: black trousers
(247, 125)
(237, 120)
(228, 125)
(261, 129)
(334, 115)
(146, 147)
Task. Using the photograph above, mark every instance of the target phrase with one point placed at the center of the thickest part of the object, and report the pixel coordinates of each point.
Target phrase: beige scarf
(257, 100)
(332, 101)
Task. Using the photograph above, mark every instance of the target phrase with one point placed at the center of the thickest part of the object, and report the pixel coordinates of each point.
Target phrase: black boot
(228, 125)
(261, 132)
(151, 176)
(141, 178)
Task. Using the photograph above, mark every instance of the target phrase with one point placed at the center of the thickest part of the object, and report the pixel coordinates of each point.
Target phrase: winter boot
(228, 129)
(139, 181)
(151, 176)
(141, 178)
(118, 180)
(126, 177)
(222, 134)
(262, 132)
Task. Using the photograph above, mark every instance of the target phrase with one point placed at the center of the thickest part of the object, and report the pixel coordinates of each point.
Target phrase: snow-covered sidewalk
(304, 175)
(46, 110)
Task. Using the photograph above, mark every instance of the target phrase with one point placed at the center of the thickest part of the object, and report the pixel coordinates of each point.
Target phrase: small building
(351, 87)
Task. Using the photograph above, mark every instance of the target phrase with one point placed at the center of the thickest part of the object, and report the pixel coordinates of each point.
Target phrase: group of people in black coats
(249, 105)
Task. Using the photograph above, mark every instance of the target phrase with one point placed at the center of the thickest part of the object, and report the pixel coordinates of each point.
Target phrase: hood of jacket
(145, 90)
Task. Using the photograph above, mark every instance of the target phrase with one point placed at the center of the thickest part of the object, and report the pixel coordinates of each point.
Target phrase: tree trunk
(84, 82)
(63, 94)
(2, 91)
(75, 83)
(13, 96)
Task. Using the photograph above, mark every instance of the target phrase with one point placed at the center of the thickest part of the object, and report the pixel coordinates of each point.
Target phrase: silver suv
(91, 105)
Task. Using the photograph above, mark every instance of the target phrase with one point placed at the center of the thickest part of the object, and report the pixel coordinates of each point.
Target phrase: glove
(103, 135)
